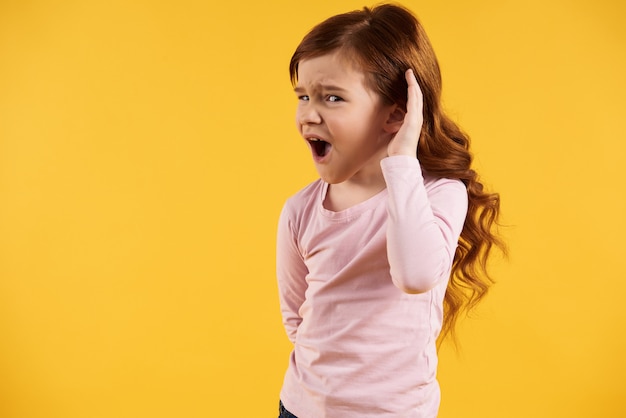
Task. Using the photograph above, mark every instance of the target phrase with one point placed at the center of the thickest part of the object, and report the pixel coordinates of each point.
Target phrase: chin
(332, 176)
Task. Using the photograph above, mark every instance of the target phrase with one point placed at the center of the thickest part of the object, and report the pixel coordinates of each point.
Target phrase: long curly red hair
(385, 41)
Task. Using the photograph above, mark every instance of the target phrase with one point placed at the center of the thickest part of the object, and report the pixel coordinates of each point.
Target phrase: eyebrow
(323, 87)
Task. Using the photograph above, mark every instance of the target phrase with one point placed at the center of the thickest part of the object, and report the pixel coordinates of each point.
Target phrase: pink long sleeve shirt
(361, 294)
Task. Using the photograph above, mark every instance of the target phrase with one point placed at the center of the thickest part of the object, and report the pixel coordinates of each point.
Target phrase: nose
(307, 114)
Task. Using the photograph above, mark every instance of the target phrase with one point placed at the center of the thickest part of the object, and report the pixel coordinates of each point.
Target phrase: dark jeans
(283, 413)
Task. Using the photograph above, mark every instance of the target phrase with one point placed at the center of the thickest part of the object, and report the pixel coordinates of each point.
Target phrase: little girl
(376, 259)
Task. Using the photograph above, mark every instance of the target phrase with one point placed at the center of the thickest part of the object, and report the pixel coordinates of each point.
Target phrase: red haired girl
(376, 259)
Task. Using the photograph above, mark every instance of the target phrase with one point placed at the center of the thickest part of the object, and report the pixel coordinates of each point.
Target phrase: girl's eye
(333, 98)
(304, 98)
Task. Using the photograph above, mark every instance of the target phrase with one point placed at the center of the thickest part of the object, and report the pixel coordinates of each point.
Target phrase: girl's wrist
(407, 152)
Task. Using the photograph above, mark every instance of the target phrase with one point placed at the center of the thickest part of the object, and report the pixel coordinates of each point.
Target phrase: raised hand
(406, 139)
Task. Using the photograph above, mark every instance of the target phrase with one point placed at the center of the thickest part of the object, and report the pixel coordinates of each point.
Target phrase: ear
(394, 120)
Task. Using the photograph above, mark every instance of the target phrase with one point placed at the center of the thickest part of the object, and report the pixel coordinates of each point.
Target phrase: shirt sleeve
(291, 274)
(425, 220)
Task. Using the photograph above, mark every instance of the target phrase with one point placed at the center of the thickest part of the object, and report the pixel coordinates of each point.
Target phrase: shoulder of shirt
(305, 199)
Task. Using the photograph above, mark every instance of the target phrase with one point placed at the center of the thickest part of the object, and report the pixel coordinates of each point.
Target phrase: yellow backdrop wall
(146, 148)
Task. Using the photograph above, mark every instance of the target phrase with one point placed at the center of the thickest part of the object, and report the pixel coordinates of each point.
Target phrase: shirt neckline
(351, 212)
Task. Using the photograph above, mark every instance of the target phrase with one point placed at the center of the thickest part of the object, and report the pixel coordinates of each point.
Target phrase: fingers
(415, 99)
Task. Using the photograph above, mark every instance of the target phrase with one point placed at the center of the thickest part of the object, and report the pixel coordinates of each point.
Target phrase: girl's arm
(424, 224)
(291, 273)
(425, 217)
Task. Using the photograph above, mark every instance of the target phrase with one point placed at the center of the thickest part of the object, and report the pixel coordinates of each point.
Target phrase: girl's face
(344, 122)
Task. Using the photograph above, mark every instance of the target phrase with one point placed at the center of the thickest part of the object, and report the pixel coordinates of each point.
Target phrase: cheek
(297, 122)
(298, 116)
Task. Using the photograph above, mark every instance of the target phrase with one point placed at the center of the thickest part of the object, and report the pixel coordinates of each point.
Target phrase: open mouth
(319, 147)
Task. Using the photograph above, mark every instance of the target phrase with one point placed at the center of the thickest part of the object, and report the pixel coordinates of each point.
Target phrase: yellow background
(146, 148)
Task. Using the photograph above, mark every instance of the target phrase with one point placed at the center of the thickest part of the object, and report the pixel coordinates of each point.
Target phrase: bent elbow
(419, 271)
(418, 282)
(415, 286)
